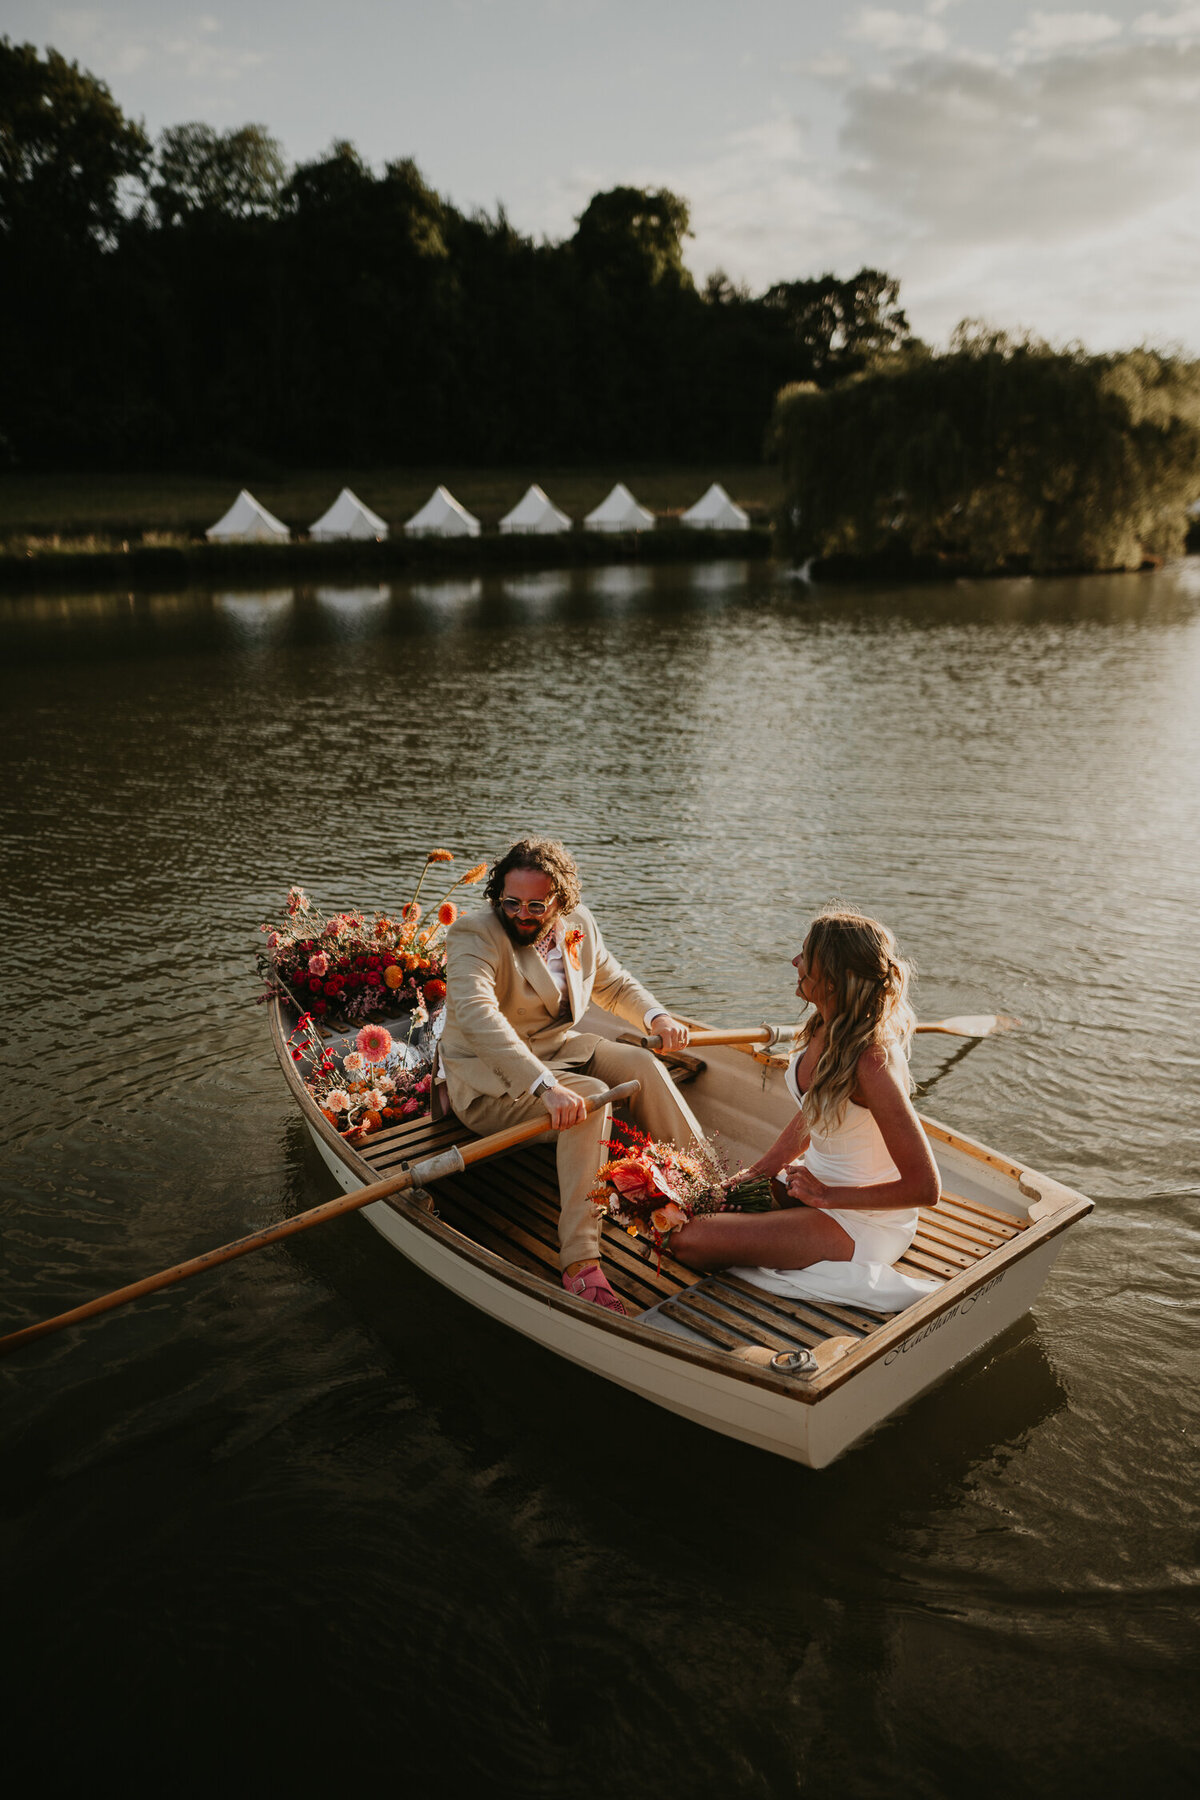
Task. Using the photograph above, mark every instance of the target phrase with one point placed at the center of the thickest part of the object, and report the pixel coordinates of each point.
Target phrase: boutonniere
(571, 945)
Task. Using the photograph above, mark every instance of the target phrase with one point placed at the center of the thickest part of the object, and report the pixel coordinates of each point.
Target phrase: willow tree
(1001, 453)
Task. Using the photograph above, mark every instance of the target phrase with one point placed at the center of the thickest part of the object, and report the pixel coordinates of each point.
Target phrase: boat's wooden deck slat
(615, 1238)
(821, 1316)
(977, 1214)
(948, 1230)
(535, 1221)
(460, 1211)
(510, 1206)
(758, 1304)
(943, 1253)
(761, 1325)
(386, 1150)
(698, 1319)
(474, 1208)
(915, 1262)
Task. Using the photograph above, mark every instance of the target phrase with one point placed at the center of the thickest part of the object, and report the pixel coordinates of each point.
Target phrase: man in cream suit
(520, 973)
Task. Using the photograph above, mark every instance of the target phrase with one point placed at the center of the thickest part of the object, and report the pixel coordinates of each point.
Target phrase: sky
(1035, 169)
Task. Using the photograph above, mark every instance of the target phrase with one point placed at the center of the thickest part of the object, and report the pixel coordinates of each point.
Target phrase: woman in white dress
(853, 1165)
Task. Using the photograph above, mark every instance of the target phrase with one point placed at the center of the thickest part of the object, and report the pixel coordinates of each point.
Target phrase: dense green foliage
(999, 454)
(195, 303)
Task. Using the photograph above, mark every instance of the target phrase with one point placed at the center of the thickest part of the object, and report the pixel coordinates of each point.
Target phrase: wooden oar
(973, 1025)
(968, 1025)
(447, 1162)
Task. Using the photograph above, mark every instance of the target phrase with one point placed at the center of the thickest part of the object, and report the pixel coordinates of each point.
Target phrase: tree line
(195, 302)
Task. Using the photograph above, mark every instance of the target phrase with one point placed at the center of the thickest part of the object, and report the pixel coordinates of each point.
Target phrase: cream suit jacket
(503, 1025)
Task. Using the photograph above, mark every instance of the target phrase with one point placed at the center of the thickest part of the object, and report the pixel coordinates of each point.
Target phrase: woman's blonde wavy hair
(860, 959)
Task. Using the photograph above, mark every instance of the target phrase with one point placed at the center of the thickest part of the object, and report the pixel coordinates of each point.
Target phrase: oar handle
(750, 1034)
(433, 1168)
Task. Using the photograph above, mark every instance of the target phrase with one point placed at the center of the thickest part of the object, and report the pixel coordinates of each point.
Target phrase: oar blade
(973, 1025)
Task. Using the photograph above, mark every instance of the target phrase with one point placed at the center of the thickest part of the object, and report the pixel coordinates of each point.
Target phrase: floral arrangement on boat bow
(365, 1089)
(653, 1188)
(349, 966)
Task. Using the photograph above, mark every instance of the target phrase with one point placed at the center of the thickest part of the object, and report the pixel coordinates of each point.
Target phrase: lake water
(309, 1521)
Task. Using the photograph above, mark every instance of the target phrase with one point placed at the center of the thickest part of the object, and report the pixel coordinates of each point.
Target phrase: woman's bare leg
(792, 1239)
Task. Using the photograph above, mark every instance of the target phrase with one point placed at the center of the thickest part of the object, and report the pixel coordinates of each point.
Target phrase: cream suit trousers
(658, 1110)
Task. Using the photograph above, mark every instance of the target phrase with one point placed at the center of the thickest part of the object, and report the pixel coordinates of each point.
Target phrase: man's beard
(538, 929)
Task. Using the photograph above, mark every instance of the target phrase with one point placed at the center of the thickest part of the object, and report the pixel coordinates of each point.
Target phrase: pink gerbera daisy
(374, 1042)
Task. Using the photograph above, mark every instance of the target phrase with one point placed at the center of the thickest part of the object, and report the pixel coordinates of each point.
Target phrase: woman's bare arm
(787, 1146)
(882, 1089)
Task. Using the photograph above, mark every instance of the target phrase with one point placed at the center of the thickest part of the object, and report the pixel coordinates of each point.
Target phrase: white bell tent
(247, 522)
(442, 516)
(620, 512)
(348, 518)
(535, 512)
(715, 511)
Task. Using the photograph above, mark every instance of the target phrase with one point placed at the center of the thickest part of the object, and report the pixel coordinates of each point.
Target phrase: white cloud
(1181, 24)
(1059, 194)
(1049, 149)
(829, 67)
(1056, 193)
(1050, 32)
(106, 42)
(883, 29)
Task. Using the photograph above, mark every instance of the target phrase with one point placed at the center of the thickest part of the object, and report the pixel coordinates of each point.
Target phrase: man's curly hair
(548, 857)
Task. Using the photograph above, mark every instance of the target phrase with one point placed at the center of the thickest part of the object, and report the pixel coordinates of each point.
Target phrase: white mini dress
(852, 1153)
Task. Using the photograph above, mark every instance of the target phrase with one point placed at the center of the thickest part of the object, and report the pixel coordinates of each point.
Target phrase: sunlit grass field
(97, 510)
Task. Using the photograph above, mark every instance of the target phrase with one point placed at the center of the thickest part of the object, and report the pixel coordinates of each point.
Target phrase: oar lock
(793, 1362)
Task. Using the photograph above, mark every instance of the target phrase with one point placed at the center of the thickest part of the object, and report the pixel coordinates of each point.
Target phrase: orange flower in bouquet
(654, 1188)
(637, 1178)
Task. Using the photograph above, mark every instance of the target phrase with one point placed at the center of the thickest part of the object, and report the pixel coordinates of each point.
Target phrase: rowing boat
(800, 1378)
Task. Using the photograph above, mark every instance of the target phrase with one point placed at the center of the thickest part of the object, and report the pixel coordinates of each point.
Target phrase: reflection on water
(317, 1462)
(255, 617)
(445, 599)
(621, 584)
(354, 612)
(541, 592)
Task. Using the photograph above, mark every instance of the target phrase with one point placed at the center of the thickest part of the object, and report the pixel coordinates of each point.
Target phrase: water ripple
(315, 1472)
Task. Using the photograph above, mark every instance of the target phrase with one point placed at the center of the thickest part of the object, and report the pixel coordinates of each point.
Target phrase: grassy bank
(186, 562)
(117, 508)
(148, 530)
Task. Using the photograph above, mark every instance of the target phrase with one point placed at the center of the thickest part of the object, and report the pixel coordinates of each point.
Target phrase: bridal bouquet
(350, 965)
(654, 1188)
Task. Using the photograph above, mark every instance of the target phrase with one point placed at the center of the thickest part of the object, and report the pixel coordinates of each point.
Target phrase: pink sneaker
(593, 1284)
